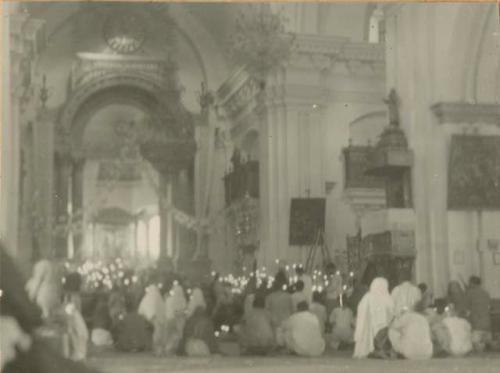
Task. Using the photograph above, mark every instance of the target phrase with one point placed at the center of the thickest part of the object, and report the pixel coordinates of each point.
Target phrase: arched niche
(366, 129)
(156, 98)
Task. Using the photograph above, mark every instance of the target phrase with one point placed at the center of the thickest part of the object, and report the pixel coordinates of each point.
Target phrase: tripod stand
(319, 244)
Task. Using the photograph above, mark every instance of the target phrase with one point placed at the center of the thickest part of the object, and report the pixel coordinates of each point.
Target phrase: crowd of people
(171, 315)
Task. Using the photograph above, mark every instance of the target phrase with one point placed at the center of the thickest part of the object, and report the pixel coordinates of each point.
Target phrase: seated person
(101, 323)
(77, 334)
(334, 288)
(410, 336)
(374, 314)
(477, 305)
(301, 333)
(342, 321)
(133, 332)
(298, 295)
(279, 303)
(199, 334)
(152, 304)
(427, 296)
(197, 299)
(405, 295)
(459, 332)
(318, 308)
(256, 335)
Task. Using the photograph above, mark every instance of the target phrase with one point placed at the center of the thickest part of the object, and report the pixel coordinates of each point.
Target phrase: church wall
(427, 52)
(305, 138)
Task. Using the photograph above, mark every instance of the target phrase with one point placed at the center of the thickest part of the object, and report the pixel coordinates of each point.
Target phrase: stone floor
(145, 363)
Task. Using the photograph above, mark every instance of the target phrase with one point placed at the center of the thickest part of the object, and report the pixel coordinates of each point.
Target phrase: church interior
(234, 137)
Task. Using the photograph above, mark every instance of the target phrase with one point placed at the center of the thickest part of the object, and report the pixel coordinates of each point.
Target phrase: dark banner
(307, 219)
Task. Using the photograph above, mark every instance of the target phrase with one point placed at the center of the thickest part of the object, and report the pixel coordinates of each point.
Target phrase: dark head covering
(40, 358)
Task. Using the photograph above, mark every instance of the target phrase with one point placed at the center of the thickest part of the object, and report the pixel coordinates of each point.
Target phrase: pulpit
(389, 233)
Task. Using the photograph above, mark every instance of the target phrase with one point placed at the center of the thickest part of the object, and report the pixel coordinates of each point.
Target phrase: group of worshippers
(40, 332)
(295, 319)
(407, 323)
(172, 316)
(176, 317)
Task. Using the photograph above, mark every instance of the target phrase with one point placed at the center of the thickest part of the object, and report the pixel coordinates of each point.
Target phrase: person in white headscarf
(375, 312)
(77, 334)
(44, 287)
(168, 334)
(405, 296)
(152, 303)
(196, 300)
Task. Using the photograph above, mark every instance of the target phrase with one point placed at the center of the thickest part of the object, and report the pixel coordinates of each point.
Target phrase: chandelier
(260, 41)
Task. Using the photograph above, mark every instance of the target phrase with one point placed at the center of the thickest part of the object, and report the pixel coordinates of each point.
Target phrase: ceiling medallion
(124, 32)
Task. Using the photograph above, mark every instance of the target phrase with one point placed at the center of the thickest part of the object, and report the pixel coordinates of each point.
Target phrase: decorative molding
(26, 42)
(92, 67)
(364, 199)
(237, 95)
(320, 52)
(462, 112)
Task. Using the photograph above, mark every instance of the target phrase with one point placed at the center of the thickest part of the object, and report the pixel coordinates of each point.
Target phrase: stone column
(78, 165)
(62, 170)
(163, 215)
(170, 219)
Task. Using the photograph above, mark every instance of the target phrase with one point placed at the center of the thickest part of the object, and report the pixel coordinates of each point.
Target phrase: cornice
(462, 112)
(311, 52)
(322, 52)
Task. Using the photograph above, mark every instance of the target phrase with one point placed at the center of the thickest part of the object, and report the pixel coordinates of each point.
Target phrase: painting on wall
(307, 220)
(474, 173)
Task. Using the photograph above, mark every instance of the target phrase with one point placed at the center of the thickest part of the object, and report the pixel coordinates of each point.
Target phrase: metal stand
(318, 245)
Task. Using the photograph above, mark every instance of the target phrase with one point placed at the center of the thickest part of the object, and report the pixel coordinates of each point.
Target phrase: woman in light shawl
(152, 303)
(405, 297)
(196, 300)
(76, 332)
(44, 287)
(169, 329)
(375, 312)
